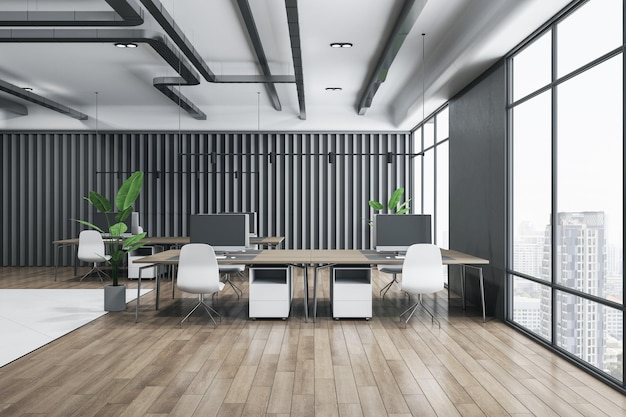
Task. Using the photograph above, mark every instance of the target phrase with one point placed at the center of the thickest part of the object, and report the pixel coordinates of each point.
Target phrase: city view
(586, 263)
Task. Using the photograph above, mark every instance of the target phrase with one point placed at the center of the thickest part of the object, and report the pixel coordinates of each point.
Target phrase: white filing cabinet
(351, 292)
(133, 268)
(270, 291)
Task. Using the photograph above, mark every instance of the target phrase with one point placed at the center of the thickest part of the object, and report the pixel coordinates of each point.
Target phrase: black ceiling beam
(407, 18)
(42, 101)
(253, 33)
(160, 44)
(170, 27)
(291, 7)
(124, 13)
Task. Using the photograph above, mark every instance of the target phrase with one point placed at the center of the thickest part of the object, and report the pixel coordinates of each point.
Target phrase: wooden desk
(448, 257)
(169, 241)
(319, 258)
(293, 257)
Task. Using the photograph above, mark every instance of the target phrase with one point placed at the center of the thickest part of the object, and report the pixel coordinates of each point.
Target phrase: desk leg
(463, 285)
(138, 295)
(482, 291)
(482, 286)
(315, 294)
(305, 278)
(75, 260)
(158, 290)
(170, 276)
(56, 261)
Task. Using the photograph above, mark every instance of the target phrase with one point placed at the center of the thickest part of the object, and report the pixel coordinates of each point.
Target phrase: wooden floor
(115, 367)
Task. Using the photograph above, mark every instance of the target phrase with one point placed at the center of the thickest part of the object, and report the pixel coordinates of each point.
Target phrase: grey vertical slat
(312, 202)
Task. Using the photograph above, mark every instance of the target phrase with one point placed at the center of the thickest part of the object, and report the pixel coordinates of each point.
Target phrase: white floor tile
(30, 318)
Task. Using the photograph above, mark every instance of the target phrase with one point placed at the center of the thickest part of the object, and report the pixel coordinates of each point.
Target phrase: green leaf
(92, 226)
(129, 191)
(118, 229)
(123, 215)
(375, 205)
(403, 208)
(133, 240)
(99, 202)
(395, 198)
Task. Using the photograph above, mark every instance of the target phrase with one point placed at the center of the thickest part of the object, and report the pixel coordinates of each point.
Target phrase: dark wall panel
(285, 177)
(477, 183)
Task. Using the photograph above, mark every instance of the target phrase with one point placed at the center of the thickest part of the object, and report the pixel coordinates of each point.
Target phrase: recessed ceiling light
(341, 45)
(333, 88)
(125, 45)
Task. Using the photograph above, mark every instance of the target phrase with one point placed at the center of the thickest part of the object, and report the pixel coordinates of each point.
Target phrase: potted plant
(393, 206)
(118, 246)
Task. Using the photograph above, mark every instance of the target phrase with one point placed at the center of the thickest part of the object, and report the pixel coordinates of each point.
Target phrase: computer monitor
(225, 232)
(100, 220)
(253, 228)
(396, 232)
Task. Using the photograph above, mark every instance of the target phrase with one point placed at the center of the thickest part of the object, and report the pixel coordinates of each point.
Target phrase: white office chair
(394, 270)
(198, 273)
(230, 269)
(91, 249)
(422, 273)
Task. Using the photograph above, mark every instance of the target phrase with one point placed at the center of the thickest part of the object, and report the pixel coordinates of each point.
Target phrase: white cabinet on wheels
(351, 292)
(133, 268)
(271, 291)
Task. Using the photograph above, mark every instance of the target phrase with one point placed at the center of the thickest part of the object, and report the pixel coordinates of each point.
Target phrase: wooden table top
(183, 240)
(314, 256)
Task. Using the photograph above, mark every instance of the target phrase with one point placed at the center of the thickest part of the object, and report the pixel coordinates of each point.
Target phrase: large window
(431, 179)
(565, 265)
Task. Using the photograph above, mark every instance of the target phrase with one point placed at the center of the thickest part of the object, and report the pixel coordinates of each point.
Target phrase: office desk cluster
(165, 241)
(351, 265)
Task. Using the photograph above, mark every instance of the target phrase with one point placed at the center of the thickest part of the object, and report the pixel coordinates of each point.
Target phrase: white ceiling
(463, 38)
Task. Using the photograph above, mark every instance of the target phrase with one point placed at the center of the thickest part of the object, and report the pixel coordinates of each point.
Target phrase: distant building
(580, 252)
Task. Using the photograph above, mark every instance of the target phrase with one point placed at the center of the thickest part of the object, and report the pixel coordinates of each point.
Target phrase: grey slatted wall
(285, 177)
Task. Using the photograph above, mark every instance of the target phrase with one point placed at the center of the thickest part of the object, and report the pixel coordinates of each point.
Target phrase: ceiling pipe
(253, 33)
(157, 41)
(42, 101)
(170, 27)
(291, 7)
(407, 18)
(125, 13)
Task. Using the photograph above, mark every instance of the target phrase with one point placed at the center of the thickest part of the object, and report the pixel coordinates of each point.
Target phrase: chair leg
(190, 313)
(414, 307)
(101, 272)
(432, 316)
(207, 307)
(387, 287)
(237, 290)
(97, 270)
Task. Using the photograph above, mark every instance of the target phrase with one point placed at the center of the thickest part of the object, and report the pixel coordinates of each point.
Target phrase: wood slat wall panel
(285, 177)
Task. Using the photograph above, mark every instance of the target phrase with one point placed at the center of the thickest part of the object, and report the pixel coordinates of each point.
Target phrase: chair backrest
(422, 270)
(198, 271)
(90, 246)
